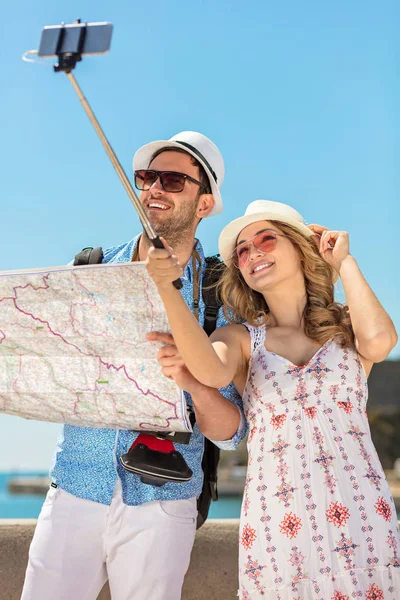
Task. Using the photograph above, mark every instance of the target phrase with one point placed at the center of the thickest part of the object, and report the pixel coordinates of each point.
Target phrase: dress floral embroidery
(318, 520)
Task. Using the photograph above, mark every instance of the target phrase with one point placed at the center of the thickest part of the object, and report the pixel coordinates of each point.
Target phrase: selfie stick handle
(147, 226)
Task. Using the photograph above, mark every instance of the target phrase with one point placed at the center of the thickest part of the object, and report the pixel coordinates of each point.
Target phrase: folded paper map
(73, 349)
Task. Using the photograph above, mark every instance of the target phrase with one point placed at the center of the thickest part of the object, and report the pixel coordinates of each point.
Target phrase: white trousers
(143, 551)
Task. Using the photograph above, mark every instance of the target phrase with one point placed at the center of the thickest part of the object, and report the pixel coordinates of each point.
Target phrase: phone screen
(97, 39)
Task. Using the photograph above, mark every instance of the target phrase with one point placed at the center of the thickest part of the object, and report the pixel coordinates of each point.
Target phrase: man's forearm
(217, 417)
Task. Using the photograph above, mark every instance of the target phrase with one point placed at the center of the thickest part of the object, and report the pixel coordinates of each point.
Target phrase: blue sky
(301, 98)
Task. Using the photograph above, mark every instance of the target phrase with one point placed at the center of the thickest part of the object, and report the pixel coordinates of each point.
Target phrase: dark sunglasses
(170, 180)
(264, 242)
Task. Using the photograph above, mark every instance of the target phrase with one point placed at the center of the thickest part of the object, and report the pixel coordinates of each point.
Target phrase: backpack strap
(89, 256)
(211, 455)
(212, 301)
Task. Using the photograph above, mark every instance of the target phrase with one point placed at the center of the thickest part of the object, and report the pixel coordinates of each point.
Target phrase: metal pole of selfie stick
(147, 226)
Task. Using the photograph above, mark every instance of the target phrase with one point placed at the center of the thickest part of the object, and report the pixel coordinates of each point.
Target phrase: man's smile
(157, 205)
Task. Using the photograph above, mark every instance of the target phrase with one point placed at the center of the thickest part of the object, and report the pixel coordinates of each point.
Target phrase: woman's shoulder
(232, 330)
(235, 336)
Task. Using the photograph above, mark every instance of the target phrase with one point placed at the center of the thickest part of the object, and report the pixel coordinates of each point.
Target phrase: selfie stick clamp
(152, 456)
(68, 60)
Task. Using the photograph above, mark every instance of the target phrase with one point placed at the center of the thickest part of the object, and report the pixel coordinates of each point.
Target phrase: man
(99, 521)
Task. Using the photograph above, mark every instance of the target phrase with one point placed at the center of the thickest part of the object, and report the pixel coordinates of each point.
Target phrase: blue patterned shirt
(87, 459)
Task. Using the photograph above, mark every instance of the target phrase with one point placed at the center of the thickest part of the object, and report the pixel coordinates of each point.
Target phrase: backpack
(211, 455)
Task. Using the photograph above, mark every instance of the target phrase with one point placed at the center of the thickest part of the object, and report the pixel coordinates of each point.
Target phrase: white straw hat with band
(201, 148)
(259, 210)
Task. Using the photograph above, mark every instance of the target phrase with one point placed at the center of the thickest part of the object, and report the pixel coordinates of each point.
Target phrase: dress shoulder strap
(257, 335)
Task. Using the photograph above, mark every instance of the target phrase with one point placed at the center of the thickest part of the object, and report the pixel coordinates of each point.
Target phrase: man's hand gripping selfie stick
(152, 456)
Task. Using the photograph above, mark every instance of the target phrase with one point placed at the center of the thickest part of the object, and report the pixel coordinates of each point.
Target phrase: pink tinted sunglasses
(264, 242)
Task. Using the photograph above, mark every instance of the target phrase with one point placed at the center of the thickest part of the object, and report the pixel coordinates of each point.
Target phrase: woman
(318, 521)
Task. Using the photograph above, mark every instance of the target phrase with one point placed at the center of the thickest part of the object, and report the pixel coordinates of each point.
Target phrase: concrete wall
(212, 574)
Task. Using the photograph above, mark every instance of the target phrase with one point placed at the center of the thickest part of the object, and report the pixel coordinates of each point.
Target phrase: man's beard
(179, 226)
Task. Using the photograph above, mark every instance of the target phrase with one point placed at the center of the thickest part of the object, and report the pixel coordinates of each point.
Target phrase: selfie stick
(67, 62)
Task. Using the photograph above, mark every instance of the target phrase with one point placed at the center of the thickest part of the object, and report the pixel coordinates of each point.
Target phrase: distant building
(384, 386)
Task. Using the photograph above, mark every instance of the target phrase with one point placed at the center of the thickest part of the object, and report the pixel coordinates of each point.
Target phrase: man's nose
(156, 187)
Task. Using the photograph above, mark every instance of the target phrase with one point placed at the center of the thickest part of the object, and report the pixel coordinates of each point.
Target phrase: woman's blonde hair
(324, 318)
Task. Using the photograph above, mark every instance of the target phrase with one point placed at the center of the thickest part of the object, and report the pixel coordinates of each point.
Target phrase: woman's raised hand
(334, 246)
(163, 266)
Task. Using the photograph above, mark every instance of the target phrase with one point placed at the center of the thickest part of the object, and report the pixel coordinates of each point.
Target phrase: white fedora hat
(201, 148)
(259, 210)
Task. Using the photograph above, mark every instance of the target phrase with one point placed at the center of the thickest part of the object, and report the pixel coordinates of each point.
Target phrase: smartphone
(85, 38)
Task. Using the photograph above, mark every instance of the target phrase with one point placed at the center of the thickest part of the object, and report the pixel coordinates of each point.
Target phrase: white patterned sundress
(318, 521)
